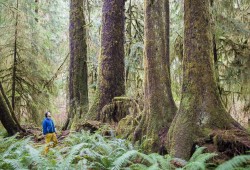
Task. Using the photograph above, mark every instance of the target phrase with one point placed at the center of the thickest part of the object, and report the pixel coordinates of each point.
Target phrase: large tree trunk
(159, 106)
(78, 73)
(6, 118)
(111, 82)
(10, 108)
(201, 109)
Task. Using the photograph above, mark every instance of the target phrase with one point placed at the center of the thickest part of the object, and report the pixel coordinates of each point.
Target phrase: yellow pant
(50, 137)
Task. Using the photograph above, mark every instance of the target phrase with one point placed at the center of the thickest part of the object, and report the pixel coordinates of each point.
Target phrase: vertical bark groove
(111, 80)
(201, 108)
(78, 72)
(159, 106)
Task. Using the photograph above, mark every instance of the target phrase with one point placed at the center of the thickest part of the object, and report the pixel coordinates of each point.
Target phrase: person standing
(49, 131)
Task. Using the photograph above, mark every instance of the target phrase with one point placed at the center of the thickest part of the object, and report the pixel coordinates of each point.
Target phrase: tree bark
(201, 109)
(6, 119)
(10, 108)
(111, 82)
(159, 106)
(78, 72)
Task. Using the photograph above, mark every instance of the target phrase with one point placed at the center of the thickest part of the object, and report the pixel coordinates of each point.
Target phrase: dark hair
(46, 114)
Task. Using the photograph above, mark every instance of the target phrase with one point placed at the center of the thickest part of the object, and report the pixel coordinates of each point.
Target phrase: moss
(111, 70)
(201, 109)
(126, 127)
(159, 107)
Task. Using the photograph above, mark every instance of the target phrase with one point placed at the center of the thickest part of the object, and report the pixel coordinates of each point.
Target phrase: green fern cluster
(93, 151)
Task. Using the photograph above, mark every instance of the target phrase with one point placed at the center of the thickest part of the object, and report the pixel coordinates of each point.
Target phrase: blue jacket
(48, 126)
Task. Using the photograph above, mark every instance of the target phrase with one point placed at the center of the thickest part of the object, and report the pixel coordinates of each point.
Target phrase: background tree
(29, 54)
(111, 71)
(201, 109)
(11, 126)
(159, 107)
(78, 72)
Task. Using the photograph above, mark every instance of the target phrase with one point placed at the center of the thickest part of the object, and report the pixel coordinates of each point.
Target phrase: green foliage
(35, 38)
(94, 151)
(238, 162)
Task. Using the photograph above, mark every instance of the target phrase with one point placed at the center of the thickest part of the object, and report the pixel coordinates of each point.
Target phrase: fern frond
(71, 156)
(122, 159)
(35, 157)
(153, 167)
(17, 145)
(234, 162)
(148, 158)
(205, 157)
(197, 153)
(103, 147)
(164, 163)
(138, 166)
(195, 166)
(13, 163)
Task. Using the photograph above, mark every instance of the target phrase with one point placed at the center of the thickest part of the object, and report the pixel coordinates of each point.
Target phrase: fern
(234, 163)
(164, 163)
(103, 147)
(138, 167)
(122, 159)
(195, 166)
(86, 151)
(197, 153)
(198, 160)
(153, 167)
(15, 164)
(35, 157)
(70, 157)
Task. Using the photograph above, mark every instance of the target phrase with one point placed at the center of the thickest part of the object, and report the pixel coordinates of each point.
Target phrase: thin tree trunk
(36, 9)
(201, 109)
(14, 62)
(111, 80)
(129, 30)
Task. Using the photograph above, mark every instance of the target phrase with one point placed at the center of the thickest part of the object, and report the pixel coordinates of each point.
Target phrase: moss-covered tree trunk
(159, 107)
(6, 119)
(78, 72)
(201, 109)
(111, 71)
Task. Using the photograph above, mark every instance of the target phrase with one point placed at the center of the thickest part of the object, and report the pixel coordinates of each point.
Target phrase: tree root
(227, 143)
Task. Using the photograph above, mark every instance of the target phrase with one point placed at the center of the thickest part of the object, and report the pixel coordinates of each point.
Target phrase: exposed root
(119, 108)
(89, 125)
(226, 143)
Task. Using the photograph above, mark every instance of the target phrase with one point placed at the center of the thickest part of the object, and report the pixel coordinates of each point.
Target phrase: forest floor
(225, 143)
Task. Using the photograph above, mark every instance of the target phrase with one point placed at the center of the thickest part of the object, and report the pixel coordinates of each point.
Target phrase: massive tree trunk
(6, 119)
(201, 109)
(78, 73)
(111, 80)
(159, 106)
